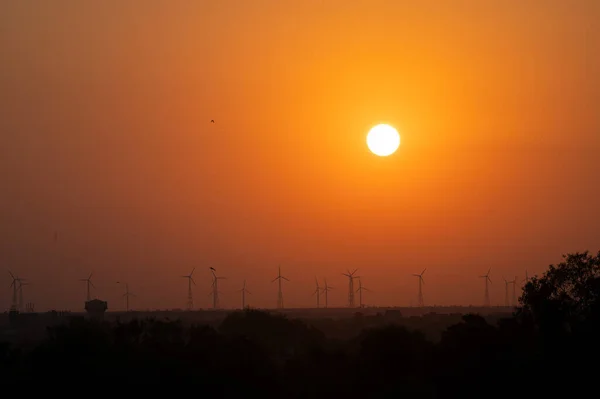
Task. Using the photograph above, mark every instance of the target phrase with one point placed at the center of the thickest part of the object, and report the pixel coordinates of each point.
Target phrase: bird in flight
(212, 121)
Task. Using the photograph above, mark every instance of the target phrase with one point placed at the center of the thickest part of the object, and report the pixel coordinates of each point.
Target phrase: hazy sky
(105, 138)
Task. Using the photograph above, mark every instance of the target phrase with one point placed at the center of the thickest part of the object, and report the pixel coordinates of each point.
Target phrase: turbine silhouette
(89, 284)
(326, 292)
(279, 292)
(486, 297)
(420, 302)
(190, 297)
(351, 276)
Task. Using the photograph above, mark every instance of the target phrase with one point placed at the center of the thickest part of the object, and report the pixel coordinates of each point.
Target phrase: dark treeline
(550, 345)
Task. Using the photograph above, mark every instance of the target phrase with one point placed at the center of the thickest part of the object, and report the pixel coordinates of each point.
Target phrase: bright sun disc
(383, 140)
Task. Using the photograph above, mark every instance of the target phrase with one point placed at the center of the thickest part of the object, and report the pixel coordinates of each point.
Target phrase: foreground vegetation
(550, 343)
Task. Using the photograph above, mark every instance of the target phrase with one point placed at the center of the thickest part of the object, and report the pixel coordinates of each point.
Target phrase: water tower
(96, 308)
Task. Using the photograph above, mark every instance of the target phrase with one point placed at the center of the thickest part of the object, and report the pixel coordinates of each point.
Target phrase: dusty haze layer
(105, 138)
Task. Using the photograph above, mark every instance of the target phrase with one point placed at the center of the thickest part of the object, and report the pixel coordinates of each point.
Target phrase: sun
(383, 140)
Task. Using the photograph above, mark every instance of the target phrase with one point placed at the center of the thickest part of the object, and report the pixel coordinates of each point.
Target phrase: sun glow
(383, 140)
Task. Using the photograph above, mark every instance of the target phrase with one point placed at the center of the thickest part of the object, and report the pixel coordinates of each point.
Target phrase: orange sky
(105, 138)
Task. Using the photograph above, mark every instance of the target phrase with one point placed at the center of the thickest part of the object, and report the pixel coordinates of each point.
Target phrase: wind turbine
(215, 287)
(351, 276)
(89, 284)
(14, 286)
(190, 297)
(244, 291)
(526, 280)
(326, 292)
(514, 292)
(22, 282)
(127, 295)
(486, 298)
(506, 284)
(360, 290)
(420, 301)
(280, 293)
(318, 293)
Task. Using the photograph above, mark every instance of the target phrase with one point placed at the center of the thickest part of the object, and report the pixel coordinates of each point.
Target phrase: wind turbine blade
(423, 272)
(275, 279)
(91, 274)
(193, 280)
(285, 278)
(489, 270)
(92, 284)
(248, 292)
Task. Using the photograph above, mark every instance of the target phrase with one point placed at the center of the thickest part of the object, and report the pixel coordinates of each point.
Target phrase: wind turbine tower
(14, 285)
(351, 276)
(127, 295)
(488, 281)
(21, 301)
(526, 277)
(326, 292)
(514, 291)
(279, 293)
(506, 284)
(360, 291)
(89, 284)
(190, 298)
(420, 301)
(215, 287)
(244, 291)
(317, 292)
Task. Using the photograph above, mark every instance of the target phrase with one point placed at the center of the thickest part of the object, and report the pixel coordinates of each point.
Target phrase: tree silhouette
(566, 297)
(548, 344)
